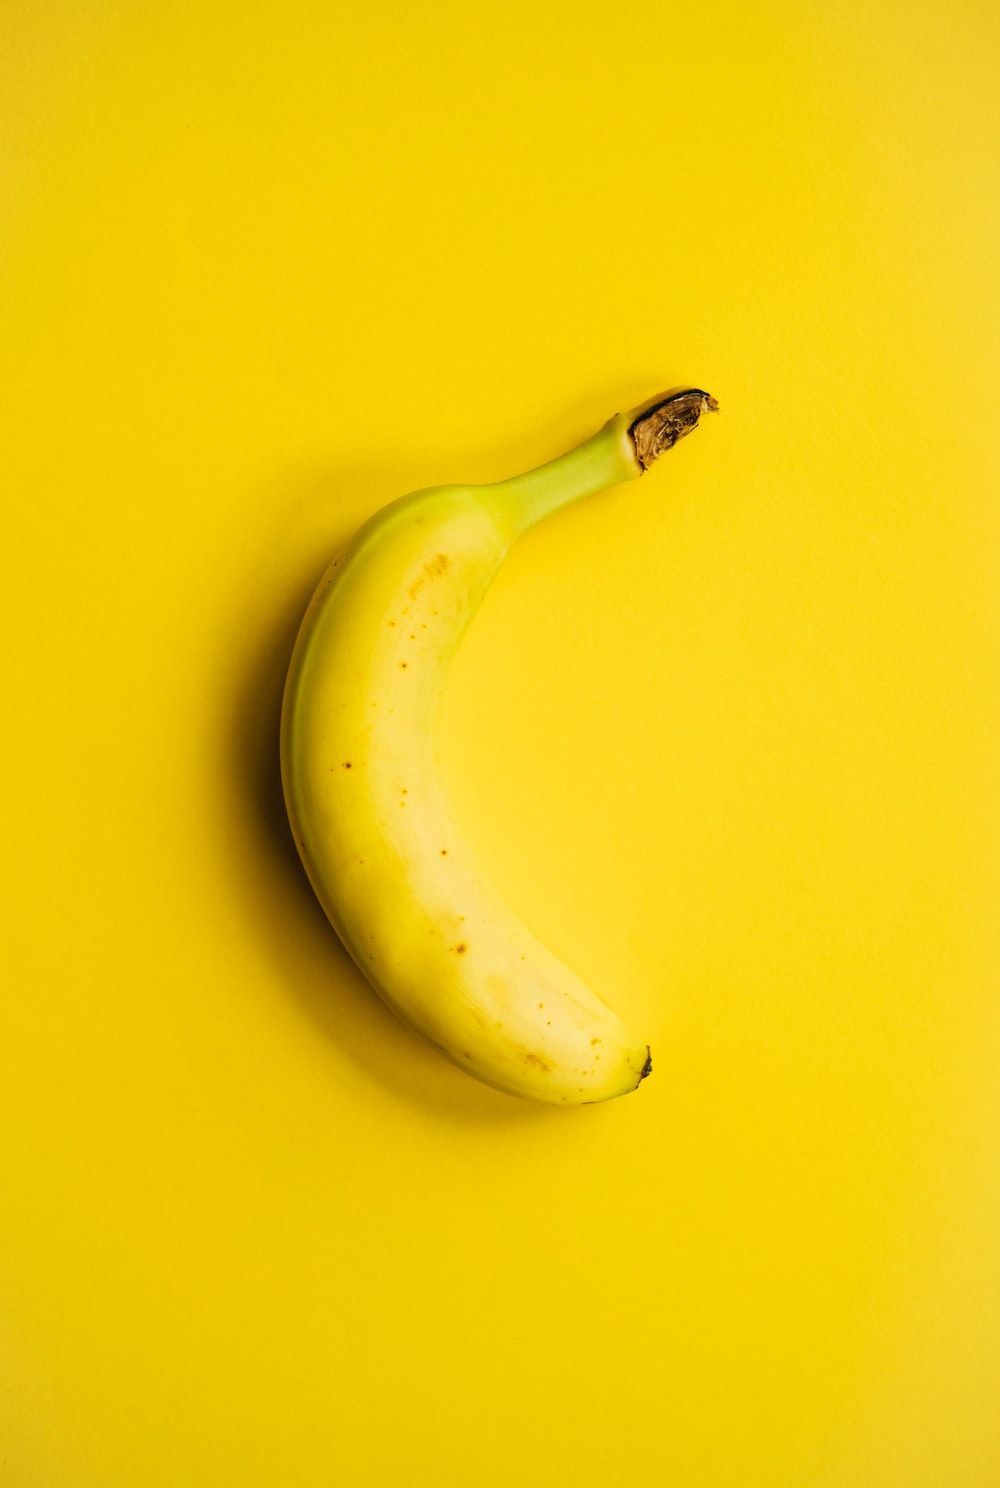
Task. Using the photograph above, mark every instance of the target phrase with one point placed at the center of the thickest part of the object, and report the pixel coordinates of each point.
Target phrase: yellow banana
(360, 767)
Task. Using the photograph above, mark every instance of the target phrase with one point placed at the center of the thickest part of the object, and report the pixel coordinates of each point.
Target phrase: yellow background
(726, 737)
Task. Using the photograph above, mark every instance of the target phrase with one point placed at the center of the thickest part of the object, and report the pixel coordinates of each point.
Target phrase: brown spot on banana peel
(432, 570)
(666, 418)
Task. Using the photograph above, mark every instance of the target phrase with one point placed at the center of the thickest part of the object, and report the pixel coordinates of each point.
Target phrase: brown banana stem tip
(659, 424)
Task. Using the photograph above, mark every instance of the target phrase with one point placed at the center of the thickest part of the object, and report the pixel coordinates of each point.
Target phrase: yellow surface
(726, 736)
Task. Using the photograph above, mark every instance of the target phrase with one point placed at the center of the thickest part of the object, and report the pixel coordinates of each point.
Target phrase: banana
(363, 788)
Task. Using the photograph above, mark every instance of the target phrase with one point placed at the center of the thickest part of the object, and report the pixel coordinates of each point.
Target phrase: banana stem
(625, 447)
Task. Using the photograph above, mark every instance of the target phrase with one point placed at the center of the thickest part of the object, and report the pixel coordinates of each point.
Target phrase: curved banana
(361, 777)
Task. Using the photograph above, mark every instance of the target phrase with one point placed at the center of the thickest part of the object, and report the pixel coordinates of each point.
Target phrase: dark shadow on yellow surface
(282, 911)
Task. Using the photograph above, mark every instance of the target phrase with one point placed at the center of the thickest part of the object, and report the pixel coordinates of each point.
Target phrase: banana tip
(659, 423)
(647, 1068)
